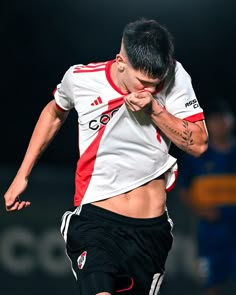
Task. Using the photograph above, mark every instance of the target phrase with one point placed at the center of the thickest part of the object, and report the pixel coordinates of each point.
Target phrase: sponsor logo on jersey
(81, 260)
(193, 103)
(102, 120)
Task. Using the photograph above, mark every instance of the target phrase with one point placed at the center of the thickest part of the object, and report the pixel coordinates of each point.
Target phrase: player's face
(136, 81)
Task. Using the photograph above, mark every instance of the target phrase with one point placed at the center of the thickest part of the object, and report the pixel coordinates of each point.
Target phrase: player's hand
(13, 201)
(137, 101)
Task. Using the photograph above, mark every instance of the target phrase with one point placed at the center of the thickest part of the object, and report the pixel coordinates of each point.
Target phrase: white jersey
(121, 150)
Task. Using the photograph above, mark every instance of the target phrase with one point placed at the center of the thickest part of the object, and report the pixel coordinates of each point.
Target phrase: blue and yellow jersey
(211, 179)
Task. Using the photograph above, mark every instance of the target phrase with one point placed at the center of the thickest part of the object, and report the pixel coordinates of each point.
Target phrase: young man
(208, 186)
(129, 110)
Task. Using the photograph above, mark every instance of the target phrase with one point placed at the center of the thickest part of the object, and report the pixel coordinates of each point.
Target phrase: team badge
(81, 260)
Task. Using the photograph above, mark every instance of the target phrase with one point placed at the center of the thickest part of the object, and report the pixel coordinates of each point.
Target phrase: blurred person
(118, 234)
(208, 186)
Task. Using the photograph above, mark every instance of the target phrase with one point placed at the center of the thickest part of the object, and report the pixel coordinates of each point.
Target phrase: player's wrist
(154, 108)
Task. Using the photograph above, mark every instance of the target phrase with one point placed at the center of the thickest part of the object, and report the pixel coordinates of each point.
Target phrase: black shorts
(114, 253)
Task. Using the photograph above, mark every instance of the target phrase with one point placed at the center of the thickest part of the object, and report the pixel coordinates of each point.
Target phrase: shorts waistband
(103, 214)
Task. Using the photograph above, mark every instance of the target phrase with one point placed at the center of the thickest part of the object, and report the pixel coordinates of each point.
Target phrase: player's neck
(116, 76)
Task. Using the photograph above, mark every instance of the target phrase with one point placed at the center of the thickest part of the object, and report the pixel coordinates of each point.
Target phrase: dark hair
(149, 47)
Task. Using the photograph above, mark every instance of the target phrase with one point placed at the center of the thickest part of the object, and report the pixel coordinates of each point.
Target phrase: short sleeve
(64, 94)
(181, 100)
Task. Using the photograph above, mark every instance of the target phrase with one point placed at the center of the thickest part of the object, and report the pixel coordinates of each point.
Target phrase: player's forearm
(189, 137)
(45, 130)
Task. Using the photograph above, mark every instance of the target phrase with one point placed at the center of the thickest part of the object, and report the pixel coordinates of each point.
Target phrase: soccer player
(130, 109)
(208, 186)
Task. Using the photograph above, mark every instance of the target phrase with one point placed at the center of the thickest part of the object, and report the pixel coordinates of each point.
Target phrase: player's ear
(120, 62)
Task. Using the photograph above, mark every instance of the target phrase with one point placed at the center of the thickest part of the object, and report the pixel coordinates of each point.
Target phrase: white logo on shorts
(81, 260)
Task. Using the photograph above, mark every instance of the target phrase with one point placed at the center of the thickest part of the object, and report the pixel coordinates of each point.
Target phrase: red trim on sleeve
(59, 108)
(54, 91)
(194, 118)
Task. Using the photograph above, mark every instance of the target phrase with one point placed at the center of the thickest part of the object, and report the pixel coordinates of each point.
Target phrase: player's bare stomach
(147, 201)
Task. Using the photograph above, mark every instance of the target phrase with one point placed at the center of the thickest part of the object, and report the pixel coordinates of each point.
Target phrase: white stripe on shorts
(66, 221)
(156, 284)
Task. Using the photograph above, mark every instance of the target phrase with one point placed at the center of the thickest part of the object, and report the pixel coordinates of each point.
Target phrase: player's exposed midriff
(147, 201)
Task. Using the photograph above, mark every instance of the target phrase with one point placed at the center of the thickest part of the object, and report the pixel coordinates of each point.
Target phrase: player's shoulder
(92, 67)
(180, 71)
(177, 79)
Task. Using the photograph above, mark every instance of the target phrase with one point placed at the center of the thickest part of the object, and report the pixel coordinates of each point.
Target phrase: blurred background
(41, 40)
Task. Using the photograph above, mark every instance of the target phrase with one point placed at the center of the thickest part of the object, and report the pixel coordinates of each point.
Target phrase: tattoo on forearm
(186, 135)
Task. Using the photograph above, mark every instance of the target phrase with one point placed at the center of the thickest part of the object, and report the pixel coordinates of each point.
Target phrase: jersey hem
(169, 185)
